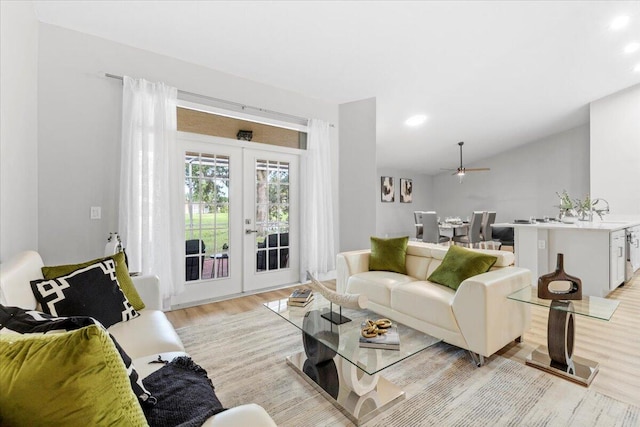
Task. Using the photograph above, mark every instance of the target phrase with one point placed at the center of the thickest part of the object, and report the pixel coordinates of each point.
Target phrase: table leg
(557, 358)
(355, 393)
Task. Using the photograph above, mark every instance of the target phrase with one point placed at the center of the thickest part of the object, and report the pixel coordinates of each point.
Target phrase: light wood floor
(614, 344)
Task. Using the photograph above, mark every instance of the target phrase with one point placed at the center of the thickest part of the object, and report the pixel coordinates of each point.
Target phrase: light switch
(541, 244)
(96, 212)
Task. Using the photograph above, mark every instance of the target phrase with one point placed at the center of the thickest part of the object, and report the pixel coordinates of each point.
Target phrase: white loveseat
(477, 316)
(144, 338)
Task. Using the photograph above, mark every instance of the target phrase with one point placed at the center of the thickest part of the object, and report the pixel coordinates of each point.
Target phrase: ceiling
(493, 74)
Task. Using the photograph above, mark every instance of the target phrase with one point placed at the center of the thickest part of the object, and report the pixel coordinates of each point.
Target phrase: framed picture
(406, 188)
(387, 192)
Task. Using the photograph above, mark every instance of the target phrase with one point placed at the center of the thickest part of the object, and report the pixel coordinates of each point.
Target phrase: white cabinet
(618, 258)
(633, 248)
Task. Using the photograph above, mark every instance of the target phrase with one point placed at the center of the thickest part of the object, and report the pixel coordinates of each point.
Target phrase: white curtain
(149, 220)
(316, 235)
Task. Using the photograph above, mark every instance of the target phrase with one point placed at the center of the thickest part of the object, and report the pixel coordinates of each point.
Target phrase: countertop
(580, 225)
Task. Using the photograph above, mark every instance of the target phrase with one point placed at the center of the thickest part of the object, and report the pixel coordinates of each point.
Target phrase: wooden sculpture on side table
(574, 292)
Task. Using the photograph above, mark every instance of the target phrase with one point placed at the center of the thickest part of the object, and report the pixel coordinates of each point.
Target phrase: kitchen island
(594, 251)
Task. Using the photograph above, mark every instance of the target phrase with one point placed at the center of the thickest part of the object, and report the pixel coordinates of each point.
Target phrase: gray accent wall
(615, 150)
(396, 219)
(357, 218)
(80, 123)
(522, 182)
(18, 128)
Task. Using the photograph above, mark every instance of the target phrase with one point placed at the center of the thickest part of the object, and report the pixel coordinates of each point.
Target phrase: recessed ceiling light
(619, 23)
(637, 68)
(416, 120)
(631, 47)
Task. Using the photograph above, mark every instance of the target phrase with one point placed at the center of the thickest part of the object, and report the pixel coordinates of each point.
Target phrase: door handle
(247, 231)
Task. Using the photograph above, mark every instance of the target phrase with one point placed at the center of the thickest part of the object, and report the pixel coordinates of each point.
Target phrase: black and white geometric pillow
(89, 291)
(31, 322)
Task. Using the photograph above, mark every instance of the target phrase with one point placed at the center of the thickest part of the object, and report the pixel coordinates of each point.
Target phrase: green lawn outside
(214, 230)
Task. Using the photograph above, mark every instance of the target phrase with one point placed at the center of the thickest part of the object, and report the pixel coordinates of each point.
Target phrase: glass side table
(557, 357)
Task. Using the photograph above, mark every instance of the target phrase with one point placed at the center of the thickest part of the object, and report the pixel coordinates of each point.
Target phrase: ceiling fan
(461, 171)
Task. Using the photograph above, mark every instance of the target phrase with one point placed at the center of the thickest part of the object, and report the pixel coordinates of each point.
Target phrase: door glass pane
(272, 215)
(206, 216)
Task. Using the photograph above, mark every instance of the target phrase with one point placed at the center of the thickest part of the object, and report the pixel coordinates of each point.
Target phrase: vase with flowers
(568, 213)
(585, 209)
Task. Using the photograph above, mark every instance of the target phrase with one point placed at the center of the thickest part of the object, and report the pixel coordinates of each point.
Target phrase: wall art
(387, 192)
(406, 189)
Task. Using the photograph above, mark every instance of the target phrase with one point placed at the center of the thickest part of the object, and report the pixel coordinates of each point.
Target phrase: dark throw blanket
(186, 396)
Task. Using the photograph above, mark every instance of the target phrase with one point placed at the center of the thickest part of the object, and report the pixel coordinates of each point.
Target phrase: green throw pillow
(460, 264)
(389, 254)
(122, 275)
(69, 379)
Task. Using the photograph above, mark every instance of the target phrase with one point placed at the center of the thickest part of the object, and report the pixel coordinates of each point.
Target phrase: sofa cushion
(122, 274)
(427, 302)
(418, 266)
(71, 378)
(33, 322)
(504, 258)
(89, 291)
(419, 259)
(149, 333)
(388, 254)
(460, 264)
(376, 285)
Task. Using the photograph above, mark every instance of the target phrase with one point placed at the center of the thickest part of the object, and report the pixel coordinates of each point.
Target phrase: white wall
(357, 174)
(396, 219)
(523, 181)
(615, 150)
(18, 128)
(79, 125)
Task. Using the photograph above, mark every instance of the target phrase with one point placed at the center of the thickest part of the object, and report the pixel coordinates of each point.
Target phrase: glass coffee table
(557, 357)
(335, 364)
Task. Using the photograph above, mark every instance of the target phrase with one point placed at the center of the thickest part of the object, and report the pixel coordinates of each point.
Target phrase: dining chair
(431, 229)
(503, 236)
(417, 215)
(473, 236)
(488, 218)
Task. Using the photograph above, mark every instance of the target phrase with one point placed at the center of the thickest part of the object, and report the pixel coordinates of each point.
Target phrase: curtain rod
(299, 120)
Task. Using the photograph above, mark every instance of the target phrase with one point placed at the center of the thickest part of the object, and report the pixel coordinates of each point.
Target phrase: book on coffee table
(388, 341)
(300, 303)
(300, 295)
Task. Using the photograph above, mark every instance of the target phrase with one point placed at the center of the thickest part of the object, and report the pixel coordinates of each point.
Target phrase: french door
(241, 218)
(270, 219)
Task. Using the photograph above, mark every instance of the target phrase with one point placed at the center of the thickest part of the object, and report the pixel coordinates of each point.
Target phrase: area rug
(245, 358)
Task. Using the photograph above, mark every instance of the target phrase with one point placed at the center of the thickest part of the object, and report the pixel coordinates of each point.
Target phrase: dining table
(452, 229)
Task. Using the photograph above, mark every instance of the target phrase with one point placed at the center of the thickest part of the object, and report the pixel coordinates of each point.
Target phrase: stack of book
(300, 297)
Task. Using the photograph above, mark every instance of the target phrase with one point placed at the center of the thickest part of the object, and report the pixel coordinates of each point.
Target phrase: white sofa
(143, 338)
(477, 317)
